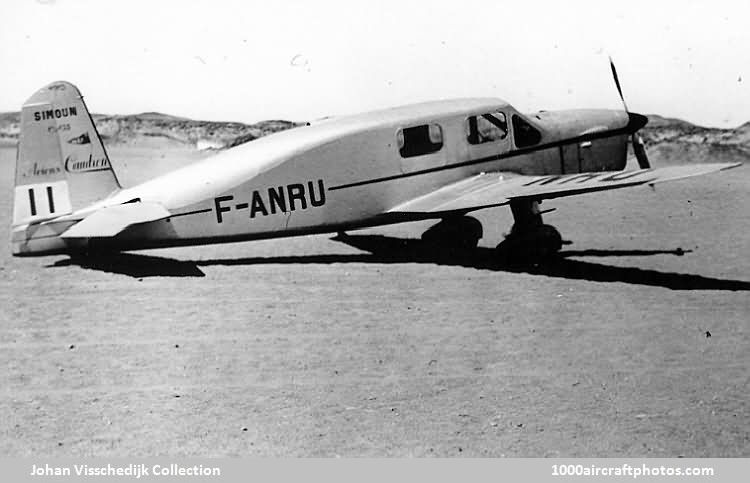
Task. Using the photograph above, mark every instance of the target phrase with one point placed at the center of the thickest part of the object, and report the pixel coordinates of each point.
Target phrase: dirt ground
(313, 347)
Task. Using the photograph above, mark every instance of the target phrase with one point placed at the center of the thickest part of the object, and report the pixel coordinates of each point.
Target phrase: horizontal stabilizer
(494, 189)
(112, 220)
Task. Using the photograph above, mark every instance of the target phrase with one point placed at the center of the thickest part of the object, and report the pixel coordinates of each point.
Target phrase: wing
(486, 190)
(109, 221)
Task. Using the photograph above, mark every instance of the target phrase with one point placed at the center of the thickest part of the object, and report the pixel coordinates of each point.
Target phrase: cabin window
(419, 140)
(524, 133)
(486, 128)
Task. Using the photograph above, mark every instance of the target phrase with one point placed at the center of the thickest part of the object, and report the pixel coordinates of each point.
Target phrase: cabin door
(421, 147)
(486, 135)
(570, 161)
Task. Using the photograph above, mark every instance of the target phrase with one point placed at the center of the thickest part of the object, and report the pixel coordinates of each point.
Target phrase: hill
(164, 130)
(667, 139)
(675, 140)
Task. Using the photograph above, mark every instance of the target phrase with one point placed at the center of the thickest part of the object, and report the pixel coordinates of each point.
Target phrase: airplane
(438, 160)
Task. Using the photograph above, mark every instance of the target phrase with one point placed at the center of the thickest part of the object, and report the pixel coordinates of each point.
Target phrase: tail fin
(61, 164)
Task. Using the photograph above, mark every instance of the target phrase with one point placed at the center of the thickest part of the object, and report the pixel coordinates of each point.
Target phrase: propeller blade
(640, 152)
(617, 83)
(635, 122)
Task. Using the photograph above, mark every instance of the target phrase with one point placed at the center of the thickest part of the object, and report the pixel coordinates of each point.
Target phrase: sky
(302, 60)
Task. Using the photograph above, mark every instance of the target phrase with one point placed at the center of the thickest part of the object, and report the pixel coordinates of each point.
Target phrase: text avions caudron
(132, 470)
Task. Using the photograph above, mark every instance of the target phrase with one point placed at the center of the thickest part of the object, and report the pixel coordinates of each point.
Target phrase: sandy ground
(311, 347)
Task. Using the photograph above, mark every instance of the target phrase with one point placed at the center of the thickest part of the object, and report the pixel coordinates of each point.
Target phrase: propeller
(637, 121)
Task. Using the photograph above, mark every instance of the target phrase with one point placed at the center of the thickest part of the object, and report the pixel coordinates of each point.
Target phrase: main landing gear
(530, 238)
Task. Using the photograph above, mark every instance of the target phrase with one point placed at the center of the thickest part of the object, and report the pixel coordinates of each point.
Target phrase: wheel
(461, 233)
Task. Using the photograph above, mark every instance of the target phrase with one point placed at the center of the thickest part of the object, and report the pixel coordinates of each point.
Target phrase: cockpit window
(419, 140)
(524, 133)
(486, 128)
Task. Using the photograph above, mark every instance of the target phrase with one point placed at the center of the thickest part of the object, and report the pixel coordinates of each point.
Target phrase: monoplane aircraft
(438, 160)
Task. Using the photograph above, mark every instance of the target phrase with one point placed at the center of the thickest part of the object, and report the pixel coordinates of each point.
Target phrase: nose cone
(635, 122)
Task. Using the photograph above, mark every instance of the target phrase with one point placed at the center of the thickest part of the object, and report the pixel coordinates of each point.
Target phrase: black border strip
(628, 129)
(206, 210)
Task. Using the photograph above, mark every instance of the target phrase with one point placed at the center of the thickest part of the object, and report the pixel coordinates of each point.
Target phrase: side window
(524, 133)
(419, 140)
(486, 128)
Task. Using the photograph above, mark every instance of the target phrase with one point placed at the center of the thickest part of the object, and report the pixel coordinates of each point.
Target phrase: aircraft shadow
(133, 265)
(384, 249)
(391, 250)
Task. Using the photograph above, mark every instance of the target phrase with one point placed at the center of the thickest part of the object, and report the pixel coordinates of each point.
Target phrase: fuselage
(348, 172)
